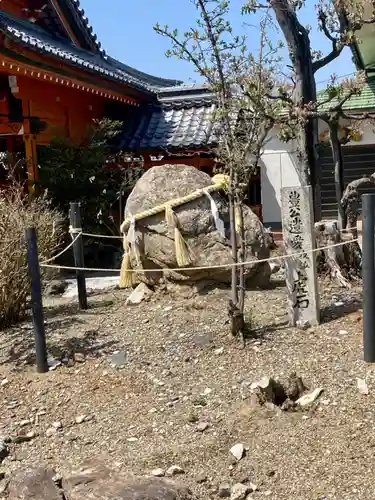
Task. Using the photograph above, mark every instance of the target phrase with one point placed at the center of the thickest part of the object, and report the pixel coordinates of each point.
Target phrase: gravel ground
(181, 372)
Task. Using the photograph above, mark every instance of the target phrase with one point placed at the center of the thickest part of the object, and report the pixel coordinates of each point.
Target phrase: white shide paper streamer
(219, 224)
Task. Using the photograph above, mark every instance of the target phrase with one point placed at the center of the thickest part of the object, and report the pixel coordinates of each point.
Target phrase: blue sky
(125, 29)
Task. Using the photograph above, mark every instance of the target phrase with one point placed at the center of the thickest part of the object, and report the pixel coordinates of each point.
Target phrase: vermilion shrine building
(55, 79)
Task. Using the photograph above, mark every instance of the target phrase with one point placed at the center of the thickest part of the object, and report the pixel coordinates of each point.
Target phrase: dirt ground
(182, 371)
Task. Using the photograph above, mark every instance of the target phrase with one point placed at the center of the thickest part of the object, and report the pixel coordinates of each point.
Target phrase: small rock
(310, 398)
(24, 438)
(51, 431)
(23, 423)
(57, 479)
(239, 492)
(219, 351)
(4, 382)
(192, 418)
(343, 332)
(168, 308)
(79, 357)
(53, 363)
(158, 473)
(118, 359)
(238, 451)
(202, 426)
(199, 401)
(201, 478)
(57, 425)
(362, 386)
(224, 489)
(132, 440)
(80, 419)
(137, 295)
(174, 470)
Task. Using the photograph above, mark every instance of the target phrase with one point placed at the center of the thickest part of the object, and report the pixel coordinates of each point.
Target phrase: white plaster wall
(277, 171)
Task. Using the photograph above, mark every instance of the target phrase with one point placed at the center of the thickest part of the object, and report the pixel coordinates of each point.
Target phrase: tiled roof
(76, 6)
(365, 100)
(37, 38)
(182, 119)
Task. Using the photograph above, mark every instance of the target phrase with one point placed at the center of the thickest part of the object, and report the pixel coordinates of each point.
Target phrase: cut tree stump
(269, 390)
(343, 262)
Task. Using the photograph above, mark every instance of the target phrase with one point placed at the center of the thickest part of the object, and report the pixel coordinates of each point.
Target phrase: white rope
(108, 236)
(204, 268)
(62, 251)
(75, 230)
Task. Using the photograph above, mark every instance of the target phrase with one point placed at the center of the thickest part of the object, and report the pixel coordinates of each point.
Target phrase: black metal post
(75, 223)
(368, 276)
(36, 300)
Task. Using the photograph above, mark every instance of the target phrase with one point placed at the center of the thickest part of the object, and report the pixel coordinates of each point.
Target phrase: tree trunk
(338, 170)
(240, 321)
(233, 303)
(241, 255)
(298, 42)
(343, 262)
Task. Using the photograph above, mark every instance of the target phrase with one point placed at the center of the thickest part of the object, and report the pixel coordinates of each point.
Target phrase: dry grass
(17, 212)
(182, 369)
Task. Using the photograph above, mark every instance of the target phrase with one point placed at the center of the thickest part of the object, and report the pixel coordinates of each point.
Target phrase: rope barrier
(206, 268)
(105, 236)
(109, 236)
(45, 262)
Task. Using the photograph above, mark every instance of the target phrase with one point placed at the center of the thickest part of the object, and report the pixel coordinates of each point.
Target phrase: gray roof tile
(76, 6)
(39, 39)
(181, 124)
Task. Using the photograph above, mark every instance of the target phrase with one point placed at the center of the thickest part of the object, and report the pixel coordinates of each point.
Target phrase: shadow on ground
(266, 331)
(333, 311)
(53, 310)
(60, 346)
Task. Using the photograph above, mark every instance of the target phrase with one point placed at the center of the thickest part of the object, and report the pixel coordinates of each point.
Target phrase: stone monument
(301, 272)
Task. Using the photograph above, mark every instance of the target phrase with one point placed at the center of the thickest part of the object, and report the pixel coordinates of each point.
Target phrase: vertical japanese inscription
(296, 242)
(300, 267)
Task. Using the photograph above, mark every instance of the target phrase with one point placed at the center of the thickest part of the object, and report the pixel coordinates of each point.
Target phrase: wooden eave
(27, 60)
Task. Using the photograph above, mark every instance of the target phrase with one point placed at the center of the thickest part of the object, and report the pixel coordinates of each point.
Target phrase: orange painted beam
(14, 7)
(13, 67)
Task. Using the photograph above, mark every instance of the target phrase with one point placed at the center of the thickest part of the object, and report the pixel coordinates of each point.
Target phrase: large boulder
(94, 481)
(155, 240)
(34, 484)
